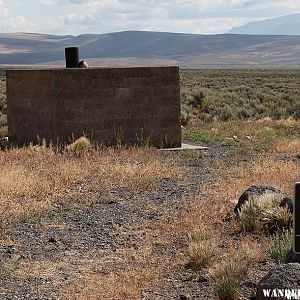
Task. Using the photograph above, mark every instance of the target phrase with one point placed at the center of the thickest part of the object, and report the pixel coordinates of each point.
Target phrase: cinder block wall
(109, 105)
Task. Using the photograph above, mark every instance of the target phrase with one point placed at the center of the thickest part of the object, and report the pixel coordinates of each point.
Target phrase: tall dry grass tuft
(3, 131)
(230, 272)
(263, 213)
(282, 243)
(203, 247)
(79, 147)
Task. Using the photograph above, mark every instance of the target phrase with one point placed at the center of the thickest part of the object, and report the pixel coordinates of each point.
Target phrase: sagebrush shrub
(79, 147)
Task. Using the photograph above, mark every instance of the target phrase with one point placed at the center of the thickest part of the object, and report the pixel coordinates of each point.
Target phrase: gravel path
(101, 232)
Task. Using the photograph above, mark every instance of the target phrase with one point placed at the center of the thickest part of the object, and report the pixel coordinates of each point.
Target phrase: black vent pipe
(72, 57)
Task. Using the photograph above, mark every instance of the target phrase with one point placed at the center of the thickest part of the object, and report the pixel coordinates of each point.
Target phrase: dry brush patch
(272, 136)
(87, 278)
(213, 208)
(203, 247)
(97, 274)
(34, 180)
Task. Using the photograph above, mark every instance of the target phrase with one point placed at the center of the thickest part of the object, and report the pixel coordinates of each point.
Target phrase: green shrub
(281, 245)
(189, 101)
(227, 288)
(199, 136)
(242, 94)
(267, 133)
(186, 114)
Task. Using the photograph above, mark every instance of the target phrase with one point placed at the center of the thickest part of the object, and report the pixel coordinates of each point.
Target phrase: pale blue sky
(96, 16)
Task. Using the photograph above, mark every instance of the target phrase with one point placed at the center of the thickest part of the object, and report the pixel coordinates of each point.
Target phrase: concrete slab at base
(186, 147)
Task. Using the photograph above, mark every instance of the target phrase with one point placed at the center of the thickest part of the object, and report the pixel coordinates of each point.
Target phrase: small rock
(15, 257)
(255, 191)
(284, 276)
(288, 203)
(9, 250)
(227, 218)
(202, 279)
(185, 297)
(292, 257)
(4, 143)
(52, 240)
(250, 284)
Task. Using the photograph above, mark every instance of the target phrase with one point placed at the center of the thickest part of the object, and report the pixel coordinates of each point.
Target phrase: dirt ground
(134, 245)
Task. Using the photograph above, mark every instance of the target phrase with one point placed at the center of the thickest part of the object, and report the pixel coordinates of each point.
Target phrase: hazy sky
(97, 16)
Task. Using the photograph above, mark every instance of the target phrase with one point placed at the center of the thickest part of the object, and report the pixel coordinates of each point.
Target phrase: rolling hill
(153, 48)
(285, 25)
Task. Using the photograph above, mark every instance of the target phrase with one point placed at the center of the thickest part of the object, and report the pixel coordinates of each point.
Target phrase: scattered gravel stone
(202, 279)
(286, 276)
(292, 257)
(287, 202)
(185, 297)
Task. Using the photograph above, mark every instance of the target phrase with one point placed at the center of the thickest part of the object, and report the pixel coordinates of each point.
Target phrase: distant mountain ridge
(153, 48)
(285, 25)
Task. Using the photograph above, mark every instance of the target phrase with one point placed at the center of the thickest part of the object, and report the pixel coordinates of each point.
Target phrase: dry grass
(34, 179)
(273, 136)
(88, 279)
(264, 213)
(123, 285)
(203, 247)
(288, 147)
(79, 147)
(3, 131)
(125, 275)
(277, 219)
(232, 266)
(282, 243)
(229, 273)
(217, 198)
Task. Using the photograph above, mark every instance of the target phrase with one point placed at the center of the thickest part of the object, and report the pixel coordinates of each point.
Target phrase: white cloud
(47, 2)
(3, 10)
(99, 16)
